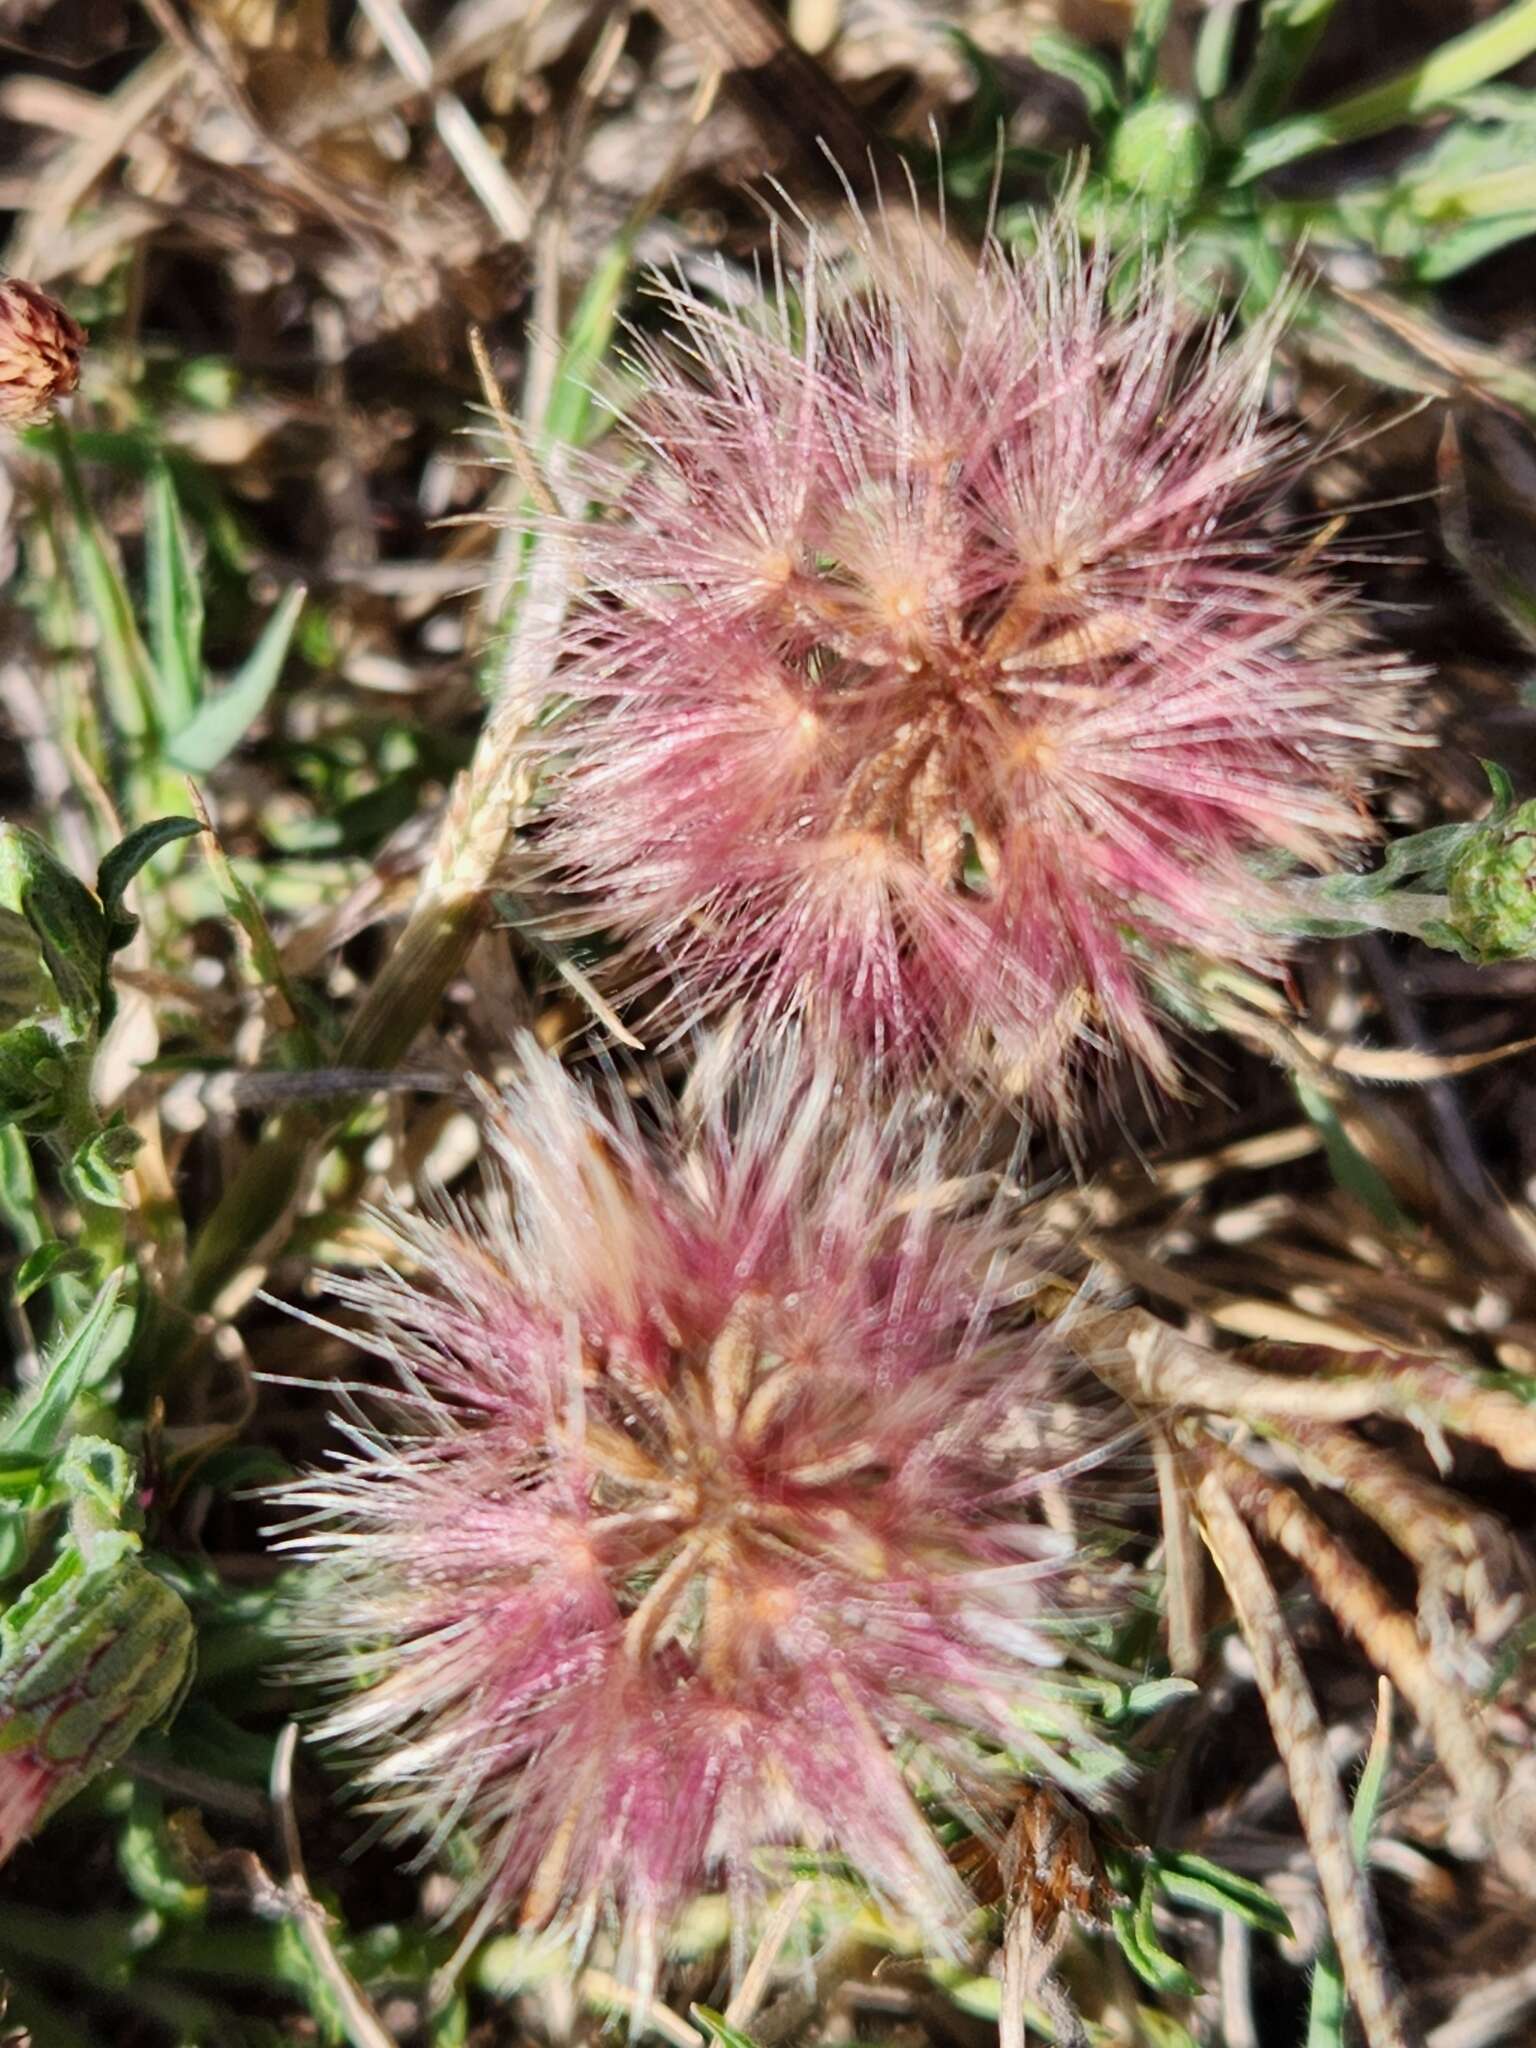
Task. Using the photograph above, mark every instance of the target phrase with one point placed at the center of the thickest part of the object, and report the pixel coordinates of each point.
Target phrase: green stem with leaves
(1456, 67)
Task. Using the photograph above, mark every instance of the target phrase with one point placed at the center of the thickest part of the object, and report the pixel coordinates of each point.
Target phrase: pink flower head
(943, 670)
(706, 1523)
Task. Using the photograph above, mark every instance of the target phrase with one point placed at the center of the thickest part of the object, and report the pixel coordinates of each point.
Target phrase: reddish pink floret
(706, 1522)
(945, 673)
(27, 1785)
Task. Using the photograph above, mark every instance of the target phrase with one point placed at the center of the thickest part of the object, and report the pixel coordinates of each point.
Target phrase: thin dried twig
(484, 172)
(364, 2027)
(1303, 1745)
(748, 1995)
(1442, 1704)
(1181, 1560)
(1156, 1367)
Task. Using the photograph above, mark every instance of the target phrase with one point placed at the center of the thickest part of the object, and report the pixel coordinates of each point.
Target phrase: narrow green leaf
(1328, 2012)
(1066, 57)
(46, 1263)
(224, 718)
(174, 602)
(121, 865)
(1196, 1881)
(1349, 1166)
(1456, 67)
(1153, 1694)
(128, 679)
(1502, 785)
(1137, 1936)
(719, 2029)
(1213, 48)
(85, 1352)
(1148, 28)
(1289, 31)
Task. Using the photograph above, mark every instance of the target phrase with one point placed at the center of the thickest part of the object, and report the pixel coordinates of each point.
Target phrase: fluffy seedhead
(943, 669)
(706, 1522)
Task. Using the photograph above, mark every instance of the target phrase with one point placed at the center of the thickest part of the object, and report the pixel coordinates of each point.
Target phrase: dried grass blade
(1302, 1743)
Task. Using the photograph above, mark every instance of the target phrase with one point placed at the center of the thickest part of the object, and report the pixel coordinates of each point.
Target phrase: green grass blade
(224, 719)
(1148, 28)
(128, 679)
(174, 603)
(1288, 33)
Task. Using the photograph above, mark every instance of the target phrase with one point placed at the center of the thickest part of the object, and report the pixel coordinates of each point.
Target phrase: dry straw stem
(1303, 1745)
(363, 2026)
(1461, 1553)
(1389, 1636)
(1156, 1367)
(1182, 1571)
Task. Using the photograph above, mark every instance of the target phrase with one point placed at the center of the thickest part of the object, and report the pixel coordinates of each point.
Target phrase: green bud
(1161, 152)
(1492, 889)
(90, 1656)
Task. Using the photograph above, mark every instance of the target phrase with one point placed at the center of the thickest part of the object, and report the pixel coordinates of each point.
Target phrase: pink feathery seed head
(706, 1522)
(942, 671)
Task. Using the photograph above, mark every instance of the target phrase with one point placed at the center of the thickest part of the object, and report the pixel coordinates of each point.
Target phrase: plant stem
(254, 1209)
(1456, 67)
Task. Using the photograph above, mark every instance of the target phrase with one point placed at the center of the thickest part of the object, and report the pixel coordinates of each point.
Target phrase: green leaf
(129, 683)
(32, 1078)
(1328, 2013)
(26, 986)
(174, 604)
(93, 1173)
(98, 1478)
(1137, 1936)
(83, 1356)
(719, 2029)
(121, 865)
(1456, 67)
(1351, 1170)
(1148, 27)
(1288, 33)
(1213, 48)
(223, 720)
(66, 918)
(47, 1262)
(1196, 1881)
(1161, 2031)
(152, 1863)
(1153, 1694)
(1066, 57)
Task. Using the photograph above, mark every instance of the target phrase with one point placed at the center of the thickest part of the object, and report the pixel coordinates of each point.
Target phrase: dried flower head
(39, 353)
(706, 1522)
(943, 670)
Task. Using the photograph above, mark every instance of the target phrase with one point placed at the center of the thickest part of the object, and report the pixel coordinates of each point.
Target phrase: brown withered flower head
(39, 353)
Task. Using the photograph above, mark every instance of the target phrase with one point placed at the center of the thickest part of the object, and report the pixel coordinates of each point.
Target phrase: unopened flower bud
(39, 353)
(1492, 889)
(90, 1656)
(1161, 152)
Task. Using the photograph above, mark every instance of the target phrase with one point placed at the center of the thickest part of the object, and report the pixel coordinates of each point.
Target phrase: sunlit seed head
(1025, 558)
(704, 1522)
